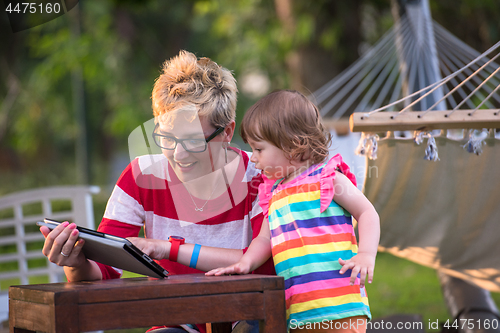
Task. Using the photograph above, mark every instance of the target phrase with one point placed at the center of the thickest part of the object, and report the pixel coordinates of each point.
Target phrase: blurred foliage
(118, 48)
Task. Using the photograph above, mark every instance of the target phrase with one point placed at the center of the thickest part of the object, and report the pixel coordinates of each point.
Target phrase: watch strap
(174, 250)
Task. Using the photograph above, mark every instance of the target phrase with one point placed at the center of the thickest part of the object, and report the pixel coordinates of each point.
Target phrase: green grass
(403, 287)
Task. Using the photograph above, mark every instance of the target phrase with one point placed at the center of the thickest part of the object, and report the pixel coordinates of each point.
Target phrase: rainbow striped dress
(309, 233)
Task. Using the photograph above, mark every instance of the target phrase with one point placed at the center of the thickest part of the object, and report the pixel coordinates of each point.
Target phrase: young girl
(309, 204)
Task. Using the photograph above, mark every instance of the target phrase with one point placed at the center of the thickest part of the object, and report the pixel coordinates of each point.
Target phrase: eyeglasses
(189, 145)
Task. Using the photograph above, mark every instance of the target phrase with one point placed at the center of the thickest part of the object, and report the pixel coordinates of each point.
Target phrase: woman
(197, 201)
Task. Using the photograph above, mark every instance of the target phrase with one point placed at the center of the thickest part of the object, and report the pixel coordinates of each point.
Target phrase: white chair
(21, 242)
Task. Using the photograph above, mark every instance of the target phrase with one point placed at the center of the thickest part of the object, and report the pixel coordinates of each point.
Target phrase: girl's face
(270, 159)
(188, 165)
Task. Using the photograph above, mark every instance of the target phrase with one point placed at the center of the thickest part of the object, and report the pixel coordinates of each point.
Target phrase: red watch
(176, 241)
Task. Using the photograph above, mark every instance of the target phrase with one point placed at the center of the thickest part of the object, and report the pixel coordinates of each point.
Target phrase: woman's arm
(353, 200)
(209, 257)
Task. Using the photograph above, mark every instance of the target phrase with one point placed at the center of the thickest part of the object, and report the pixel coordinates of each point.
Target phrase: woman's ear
(229, 131)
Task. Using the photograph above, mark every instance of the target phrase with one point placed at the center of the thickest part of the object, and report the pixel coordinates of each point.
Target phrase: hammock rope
(384, 78)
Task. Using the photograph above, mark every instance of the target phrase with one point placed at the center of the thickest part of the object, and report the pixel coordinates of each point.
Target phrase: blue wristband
(194, 256)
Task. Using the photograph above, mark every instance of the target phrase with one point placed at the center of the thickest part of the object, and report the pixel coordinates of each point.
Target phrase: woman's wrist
(166, 250)
(185, 253)
(87, 271)
(194, 256)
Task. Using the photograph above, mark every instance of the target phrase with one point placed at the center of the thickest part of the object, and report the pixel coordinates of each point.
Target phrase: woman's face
(188, 165)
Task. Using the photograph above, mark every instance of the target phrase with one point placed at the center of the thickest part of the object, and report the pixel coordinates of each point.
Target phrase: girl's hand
(155, 248)
(62, 246)
(238, 268)
(361, 263)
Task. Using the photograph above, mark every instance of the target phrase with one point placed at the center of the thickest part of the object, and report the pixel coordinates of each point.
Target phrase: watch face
(176, 237)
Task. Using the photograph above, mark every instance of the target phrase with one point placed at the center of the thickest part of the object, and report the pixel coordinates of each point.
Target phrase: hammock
(441, 214)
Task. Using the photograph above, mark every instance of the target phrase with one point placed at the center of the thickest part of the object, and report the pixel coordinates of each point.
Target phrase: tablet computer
(114, 251)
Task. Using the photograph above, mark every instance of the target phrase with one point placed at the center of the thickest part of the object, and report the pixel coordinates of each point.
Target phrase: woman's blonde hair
(289, 121)
(202, 83)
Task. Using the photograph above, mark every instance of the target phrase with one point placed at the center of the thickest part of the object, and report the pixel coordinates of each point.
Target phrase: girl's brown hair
(289, 121)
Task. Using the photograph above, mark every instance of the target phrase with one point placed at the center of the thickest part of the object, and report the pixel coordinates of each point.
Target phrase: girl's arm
(257, 254)
(353, 200)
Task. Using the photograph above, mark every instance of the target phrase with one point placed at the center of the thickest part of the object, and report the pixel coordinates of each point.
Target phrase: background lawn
(399, 287)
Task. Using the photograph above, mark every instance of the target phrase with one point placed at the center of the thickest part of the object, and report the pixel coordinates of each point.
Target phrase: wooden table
(143, 302)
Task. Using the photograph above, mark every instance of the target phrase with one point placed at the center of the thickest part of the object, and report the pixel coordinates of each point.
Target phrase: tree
(122, 44)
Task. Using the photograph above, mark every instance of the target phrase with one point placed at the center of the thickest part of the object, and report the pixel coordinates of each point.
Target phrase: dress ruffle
(336, 163)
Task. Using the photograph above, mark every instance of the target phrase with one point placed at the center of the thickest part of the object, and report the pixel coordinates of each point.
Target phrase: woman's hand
(155, 248)
(238, 268)
(361, 263)
(62, 246)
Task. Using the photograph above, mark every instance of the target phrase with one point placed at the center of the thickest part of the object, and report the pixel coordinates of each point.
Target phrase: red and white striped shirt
(148, 194)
